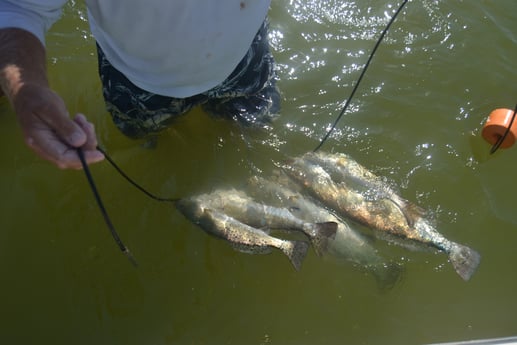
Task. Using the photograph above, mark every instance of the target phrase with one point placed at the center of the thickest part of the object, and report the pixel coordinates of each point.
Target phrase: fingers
(91, 154)
(43, 139)
(46, 145)
(89, 131)
(50, 148)
(49, 131)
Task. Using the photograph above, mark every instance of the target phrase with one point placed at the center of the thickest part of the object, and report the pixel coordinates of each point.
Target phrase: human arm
(42, 114)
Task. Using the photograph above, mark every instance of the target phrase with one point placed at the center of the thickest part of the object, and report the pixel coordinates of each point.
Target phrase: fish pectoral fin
(409, 210)
(387, 275)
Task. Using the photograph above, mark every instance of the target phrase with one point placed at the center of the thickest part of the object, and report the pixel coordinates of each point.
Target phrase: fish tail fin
(323, 233)
(327, 229)
(296, 251)
(464, 260)
(387, 275)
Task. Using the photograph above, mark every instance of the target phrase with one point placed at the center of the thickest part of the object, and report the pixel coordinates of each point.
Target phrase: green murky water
(415, 119)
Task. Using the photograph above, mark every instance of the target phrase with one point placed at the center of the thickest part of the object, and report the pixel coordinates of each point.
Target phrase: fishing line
(331, 129)
(130, 180)
(114, 233)
(96, 194)
(496, 146)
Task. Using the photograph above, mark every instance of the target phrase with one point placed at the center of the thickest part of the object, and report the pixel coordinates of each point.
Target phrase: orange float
(500, 126)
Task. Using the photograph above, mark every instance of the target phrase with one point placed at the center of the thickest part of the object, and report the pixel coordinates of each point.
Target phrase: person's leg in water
(250, 94)
(138, 113)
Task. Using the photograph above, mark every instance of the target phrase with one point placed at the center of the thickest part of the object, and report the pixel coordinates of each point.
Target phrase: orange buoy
(498, 125)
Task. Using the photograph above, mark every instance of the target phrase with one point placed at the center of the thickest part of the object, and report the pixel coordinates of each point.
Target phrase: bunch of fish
(348, 245)
(235, 217)
(319, 195)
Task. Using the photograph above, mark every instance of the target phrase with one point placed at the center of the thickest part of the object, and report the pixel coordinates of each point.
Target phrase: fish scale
(348, 245)
(241, 236)
(387, 217)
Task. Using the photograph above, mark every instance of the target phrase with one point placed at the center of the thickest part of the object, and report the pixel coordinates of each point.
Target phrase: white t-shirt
(175, 48)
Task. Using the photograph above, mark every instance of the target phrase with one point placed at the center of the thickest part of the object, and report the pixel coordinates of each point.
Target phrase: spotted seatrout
(242, 207)
(347, 245)
(382, 215)
(241, 236)
(347, 171)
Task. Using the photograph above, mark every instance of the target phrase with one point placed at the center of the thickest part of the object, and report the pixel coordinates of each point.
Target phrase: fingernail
(76, 139)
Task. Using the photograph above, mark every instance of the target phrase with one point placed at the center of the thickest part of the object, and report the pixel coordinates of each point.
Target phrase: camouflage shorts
(249, 95)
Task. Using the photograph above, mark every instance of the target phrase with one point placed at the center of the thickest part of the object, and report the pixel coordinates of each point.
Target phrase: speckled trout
(345, 170)
(383, 215)
(241, 236)
(244, 208)
(348, 244)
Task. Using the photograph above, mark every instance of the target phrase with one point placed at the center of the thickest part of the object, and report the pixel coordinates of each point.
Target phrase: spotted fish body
(345, 170)
(244, 208)
(382, 215)
(348, 244)
(241, 236)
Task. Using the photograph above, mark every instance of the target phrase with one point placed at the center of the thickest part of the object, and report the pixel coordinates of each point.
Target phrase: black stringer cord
(360, 77)
(114, 233)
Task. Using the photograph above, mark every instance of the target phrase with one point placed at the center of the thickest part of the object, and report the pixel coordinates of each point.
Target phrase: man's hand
(50, 132)
(42, 114)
